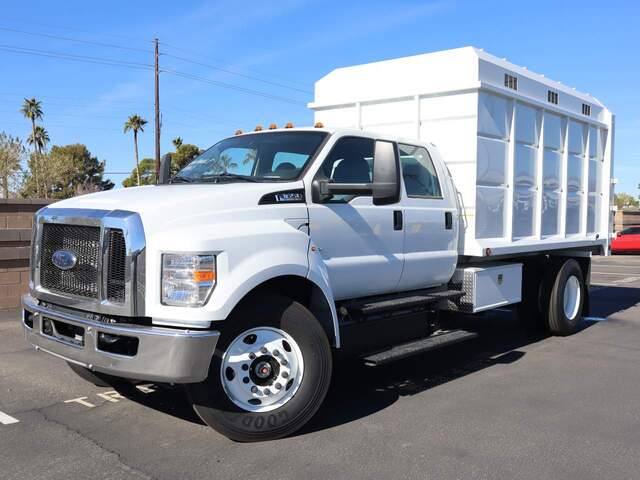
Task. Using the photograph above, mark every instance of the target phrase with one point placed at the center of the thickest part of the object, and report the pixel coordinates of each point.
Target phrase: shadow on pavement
(606, 301)
(358, 391)
(171, 400)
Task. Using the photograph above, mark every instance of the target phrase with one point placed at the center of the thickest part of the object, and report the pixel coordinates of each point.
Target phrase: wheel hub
(262, 369)
(571, 300)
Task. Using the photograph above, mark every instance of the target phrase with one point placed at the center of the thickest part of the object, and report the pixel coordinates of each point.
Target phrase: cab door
(360, 243)
(430, 220)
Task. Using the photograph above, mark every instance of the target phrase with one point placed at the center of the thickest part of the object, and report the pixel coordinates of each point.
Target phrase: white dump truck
(447, 182)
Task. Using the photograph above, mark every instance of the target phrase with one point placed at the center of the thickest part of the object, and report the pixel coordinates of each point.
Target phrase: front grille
(84, 242)
(117, 266)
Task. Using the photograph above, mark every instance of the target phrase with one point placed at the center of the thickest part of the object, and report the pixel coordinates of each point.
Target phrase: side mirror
(165, 169)
(386, 185)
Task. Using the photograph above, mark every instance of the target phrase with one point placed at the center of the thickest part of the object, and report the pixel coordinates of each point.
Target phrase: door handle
(448, 220)
(397, 219)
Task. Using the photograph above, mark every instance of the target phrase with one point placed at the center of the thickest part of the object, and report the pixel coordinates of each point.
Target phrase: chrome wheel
(572, 297)
(262, 369)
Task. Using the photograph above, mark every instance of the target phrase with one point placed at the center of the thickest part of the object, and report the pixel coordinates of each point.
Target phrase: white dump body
(531, 158)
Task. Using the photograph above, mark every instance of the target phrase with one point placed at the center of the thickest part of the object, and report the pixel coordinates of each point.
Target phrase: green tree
(68, 170)
(183, 155)
(32, 110)
(135, 123)
(12, 151)
(177, 142)
(144, 174)
(624, 200)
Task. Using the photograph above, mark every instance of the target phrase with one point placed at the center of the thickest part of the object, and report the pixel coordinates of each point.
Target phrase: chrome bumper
(163, 354)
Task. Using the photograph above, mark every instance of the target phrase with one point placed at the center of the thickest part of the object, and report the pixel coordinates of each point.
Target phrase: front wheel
(269, 374)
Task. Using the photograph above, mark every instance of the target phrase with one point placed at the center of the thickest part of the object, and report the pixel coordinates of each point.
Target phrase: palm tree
(177, 142)
(224, 164)
(32, 110)
(39, 138)
(135, 123)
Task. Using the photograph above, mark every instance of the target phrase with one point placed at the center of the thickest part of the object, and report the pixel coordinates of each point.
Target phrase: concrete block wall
(626, 218)
(16, 220)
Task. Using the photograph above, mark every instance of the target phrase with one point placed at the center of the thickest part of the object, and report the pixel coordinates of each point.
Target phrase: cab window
(350, 161)
(418, 172)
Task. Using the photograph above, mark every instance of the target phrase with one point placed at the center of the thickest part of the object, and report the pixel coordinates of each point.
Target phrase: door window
(350, 161)
(418, 172)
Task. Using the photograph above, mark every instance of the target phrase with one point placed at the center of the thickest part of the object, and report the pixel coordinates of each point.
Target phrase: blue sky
(590, 45)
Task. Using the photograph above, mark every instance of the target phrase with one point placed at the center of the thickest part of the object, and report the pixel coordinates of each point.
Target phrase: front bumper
(162, 354)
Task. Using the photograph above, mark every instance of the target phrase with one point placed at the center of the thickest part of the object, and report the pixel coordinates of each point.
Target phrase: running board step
(416, 347)
(390, 303)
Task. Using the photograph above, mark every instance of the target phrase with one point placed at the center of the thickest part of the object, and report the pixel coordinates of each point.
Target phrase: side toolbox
(486, 286)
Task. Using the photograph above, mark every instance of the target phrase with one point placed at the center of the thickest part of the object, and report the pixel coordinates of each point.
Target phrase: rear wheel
(566, 299)
(269, 374)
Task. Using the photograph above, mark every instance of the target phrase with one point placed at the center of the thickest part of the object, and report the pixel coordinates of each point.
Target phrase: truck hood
(165, 207)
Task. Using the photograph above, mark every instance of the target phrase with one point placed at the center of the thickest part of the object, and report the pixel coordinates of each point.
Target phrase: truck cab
(143, 283)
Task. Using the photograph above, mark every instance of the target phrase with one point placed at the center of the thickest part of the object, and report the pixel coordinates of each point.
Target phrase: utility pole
(157, 108)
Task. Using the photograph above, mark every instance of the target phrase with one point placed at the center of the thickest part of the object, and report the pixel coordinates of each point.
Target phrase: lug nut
(276, 353)
(267, 391)
(254, 389)
(284, 362)
(245, 379)
(278, 386)
(252, 356)
(263, 350)
(245, 367)
(285, 374)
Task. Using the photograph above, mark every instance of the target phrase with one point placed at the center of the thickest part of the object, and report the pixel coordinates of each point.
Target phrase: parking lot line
(7, 419)
(610, 273)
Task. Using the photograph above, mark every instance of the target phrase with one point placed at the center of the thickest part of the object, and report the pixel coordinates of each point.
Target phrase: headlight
(187, 279)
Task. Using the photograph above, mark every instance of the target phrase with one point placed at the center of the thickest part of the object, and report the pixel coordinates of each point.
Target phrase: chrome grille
(116, 269)
(84, 242)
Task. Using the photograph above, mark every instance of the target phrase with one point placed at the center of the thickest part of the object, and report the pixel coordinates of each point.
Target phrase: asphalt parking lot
(510, 404)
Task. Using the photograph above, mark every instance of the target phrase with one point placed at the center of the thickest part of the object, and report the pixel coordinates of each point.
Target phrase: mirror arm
(327, 188)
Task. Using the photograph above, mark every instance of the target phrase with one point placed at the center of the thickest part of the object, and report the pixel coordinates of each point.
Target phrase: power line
(30, 21)
(76, 127)
(232, 86)
(76, 40)
(177, 57)
(73, 57)
(189, 52)
(232, 72)
(88, 100)
(143, 66)
(197, 116)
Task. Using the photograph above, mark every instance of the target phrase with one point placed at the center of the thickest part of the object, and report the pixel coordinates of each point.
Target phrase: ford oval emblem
(64, 259)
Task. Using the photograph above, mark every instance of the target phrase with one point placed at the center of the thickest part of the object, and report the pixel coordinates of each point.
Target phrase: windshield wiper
(180, 179)
(231, 176)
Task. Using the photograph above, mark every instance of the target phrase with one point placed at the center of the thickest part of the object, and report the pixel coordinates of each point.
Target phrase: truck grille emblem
(64, 259)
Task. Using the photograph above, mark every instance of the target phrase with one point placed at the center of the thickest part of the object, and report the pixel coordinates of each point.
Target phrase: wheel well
(303, 291)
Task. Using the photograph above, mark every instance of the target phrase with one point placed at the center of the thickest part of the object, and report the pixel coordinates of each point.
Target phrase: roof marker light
(273, 126)
(239, 132)
(289, 125)
(258, 128)
(319, 125)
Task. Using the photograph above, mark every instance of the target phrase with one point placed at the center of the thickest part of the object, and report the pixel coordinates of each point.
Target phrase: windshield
(275, 156)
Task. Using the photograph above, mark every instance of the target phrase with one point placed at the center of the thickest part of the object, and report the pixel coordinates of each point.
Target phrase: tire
(221, 400)
(566, 299)
(97, 378)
